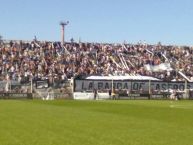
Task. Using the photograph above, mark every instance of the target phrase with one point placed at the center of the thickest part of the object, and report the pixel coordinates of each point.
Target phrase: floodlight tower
(63, 24)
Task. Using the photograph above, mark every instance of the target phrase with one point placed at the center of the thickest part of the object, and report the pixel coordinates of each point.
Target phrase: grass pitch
(96, 122)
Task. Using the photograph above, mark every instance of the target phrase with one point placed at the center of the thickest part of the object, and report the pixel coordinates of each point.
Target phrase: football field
(69, 122)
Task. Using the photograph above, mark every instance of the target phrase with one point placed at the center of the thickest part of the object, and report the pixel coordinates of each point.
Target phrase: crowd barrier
(125, 89)
(132, 89)
(132, 96)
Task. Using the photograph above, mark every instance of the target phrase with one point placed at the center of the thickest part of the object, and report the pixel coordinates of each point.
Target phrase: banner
(158, 68)
(42, 84)
(16, 96)
(90, 85)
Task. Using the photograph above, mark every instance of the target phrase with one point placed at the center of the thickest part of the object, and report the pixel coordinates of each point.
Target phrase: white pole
(7, 82)
(122, 61)
(125, 62)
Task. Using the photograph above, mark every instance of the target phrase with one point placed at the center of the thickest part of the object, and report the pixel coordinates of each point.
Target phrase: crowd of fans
(22, 61)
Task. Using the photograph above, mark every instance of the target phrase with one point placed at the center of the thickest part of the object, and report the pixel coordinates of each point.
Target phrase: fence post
(73, 84)
(31, 85)
(10, 85)
(186, 92)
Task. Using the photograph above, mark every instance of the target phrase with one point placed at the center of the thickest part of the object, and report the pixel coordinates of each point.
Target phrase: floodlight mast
(63, 24)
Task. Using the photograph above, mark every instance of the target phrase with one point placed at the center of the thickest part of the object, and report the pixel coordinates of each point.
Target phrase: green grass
(96, 122)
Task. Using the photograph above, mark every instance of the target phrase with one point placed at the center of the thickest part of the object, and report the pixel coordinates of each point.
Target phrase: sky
(105, 21)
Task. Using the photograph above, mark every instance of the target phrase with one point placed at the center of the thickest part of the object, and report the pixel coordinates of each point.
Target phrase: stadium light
(63, 24)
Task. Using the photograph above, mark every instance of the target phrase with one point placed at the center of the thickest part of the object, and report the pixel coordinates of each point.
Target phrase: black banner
(16, 96)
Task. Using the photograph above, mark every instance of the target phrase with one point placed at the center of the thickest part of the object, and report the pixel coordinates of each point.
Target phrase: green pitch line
(135, 122)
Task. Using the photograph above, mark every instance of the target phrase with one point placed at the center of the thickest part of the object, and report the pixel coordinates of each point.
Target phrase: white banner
(90, 85)
(158, 68)
(90, 96)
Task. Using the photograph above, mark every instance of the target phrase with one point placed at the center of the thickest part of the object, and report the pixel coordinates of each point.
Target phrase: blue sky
(167, 21)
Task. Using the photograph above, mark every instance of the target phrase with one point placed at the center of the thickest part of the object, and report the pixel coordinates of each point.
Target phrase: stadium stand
(49, 60)
(24, 62)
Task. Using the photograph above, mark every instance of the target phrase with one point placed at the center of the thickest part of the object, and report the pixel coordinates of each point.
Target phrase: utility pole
(63, 24)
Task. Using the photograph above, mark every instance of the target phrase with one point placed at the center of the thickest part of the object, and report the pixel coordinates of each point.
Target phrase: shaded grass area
(35, 122)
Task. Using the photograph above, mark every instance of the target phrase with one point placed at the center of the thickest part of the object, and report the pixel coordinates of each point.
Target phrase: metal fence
(124, 89)
(35, 89)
